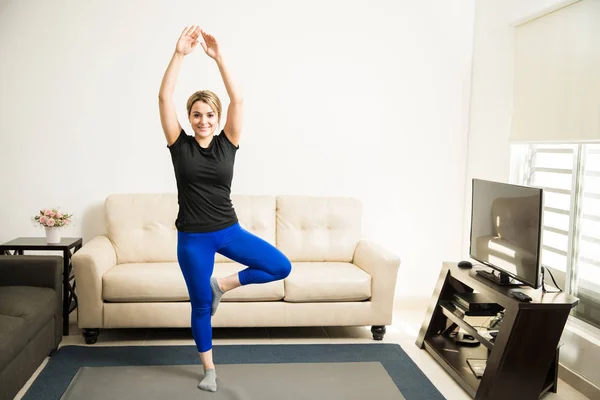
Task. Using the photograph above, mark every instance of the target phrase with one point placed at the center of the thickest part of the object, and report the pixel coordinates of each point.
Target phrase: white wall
(489, 148)
(365, 99)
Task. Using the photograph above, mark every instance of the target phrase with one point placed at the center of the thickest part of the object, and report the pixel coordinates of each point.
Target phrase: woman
(206, 222)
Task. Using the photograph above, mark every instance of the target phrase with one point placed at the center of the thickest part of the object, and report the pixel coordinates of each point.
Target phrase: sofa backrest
(141, 226)
(311, 228)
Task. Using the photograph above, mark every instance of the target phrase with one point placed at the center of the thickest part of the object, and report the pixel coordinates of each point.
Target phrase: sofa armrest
(40, 271)
(90, 263)
(383, 266)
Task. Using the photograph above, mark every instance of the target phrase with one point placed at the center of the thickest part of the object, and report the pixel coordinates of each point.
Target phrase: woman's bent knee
(284, 269)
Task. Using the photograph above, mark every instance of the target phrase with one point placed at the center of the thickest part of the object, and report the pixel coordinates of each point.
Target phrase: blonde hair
(207, 97)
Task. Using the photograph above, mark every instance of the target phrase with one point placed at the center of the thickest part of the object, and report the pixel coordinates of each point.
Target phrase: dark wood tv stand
(522, 362)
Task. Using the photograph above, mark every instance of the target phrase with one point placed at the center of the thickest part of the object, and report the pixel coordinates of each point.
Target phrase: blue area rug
(64, 364)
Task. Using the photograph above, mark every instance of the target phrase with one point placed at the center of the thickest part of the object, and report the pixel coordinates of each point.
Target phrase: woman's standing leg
(196, 256)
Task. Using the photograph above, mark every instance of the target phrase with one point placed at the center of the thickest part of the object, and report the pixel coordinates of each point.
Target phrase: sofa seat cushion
(143, 282)
(24, 310)
(326, 281)
(159, 282)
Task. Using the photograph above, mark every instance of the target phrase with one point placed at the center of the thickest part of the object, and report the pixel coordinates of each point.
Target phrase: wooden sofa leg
(378, 331)
(90, 335)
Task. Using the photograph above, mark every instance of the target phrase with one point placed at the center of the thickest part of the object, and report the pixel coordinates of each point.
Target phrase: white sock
(217, 293)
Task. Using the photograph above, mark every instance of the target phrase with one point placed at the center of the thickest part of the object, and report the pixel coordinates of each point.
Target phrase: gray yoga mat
(292, 381)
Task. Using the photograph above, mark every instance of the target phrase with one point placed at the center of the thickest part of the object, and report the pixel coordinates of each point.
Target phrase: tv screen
(506, 224)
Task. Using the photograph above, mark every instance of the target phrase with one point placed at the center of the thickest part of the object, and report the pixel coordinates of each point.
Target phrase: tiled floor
(404, 330)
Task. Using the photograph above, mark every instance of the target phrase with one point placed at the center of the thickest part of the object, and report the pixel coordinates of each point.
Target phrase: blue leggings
(196, 256)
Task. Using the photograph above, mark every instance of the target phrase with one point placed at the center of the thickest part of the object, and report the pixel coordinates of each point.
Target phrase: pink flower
(52, 217)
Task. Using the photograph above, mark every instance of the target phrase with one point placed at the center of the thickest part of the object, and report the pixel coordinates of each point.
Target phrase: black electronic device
(464, 339)
(465, 264)
(476, 305)
(506, 226)
(496, 321)
(521, 296)
(460, 338)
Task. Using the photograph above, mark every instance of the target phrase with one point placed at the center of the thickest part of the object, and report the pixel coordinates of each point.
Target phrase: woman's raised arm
(186, 43)
(233, 125)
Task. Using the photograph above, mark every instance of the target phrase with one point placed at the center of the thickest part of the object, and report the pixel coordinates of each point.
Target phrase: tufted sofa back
(318, 228)
(141, 226)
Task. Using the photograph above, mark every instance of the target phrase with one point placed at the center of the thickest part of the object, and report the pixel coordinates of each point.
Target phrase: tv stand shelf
(449, 311)
(522, 362)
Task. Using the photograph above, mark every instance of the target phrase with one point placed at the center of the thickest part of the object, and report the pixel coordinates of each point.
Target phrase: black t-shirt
(204, 178)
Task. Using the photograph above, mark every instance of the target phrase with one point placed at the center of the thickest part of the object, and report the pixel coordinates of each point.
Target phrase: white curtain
(557, 76)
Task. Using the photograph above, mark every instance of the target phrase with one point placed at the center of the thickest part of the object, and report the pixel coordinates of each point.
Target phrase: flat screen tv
(506, 228)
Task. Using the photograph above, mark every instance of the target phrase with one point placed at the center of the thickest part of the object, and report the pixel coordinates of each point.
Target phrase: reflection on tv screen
(505, 228)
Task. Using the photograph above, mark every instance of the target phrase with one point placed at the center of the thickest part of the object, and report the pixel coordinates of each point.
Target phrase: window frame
(527, 169)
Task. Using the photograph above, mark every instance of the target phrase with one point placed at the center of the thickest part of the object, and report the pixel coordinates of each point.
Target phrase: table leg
(70, 297)
(554, 371)
(66, 273)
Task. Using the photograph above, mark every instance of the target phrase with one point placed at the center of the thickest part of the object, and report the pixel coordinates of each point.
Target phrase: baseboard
(579, 383)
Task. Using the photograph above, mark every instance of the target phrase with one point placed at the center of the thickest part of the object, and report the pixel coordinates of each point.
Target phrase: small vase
(52, 235)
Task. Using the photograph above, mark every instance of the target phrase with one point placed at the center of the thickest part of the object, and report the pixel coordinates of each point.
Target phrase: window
(570, 177)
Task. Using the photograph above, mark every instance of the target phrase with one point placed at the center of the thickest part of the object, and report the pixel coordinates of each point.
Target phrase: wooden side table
(68, 246)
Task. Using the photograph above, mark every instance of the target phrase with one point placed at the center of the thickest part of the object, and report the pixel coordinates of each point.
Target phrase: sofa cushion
(24, 310)
(130, 282)
(12, 341)
(318, 228)
(141, 226)
(150, 282)
(326, 281)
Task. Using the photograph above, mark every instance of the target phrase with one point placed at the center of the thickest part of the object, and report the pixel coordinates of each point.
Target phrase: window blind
(556, 93)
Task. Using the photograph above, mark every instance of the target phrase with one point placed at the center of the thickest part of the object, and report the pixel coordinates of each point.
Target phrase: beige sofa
(130, 278)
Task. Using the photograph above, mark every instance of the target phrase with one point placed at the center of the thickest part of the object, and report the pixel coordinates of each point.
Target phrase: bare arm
(233, 125)
(168, 116)
(166, 105)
